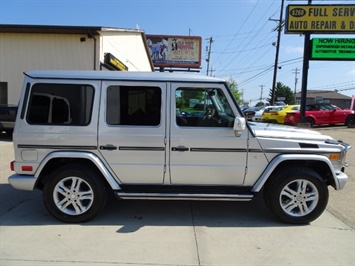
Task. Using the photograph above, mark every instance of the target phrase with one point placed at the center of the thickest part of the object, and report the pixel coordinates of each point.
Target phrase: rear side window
(133, 105)
(60, 104)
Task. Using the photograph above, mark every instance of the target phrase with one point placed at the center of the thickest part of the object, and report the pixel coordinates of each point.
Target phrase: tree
(234, 87)
(282, 91)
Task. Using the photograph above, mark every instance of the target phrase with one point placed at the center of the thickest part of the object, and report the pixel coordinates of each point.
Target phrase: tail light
(25, 168)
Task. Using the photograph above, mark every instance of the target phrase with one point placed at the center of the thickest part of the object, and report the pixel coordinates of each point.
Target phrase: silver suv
(81, 135)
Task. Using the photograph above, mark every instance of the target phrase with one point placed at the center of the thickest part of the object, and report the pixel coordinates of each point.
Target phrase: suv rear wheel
(296, 195)
(74, 193)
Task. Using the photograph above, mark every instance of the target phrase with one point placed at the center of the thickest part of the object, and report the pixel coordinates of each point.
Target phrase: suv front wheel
(296, 195)
(74, 193)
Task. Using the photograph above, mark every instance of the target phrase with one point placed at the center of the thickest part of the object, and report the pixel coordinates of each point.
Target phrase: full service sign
(333, 49)
(175, 51)
(320, 19)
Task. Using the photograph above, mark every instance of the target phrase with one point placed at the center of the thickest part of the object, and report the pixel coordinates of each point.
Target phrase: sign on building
(175, 51)
(333, 49)
(113, 62)
(320, 19)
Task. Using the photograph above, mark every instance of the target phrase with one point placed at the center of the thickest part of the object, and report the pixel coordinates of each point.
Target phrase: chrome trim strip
(128, 148)
(306, 151)
(57, 147)
(217, 150)
(183, 196)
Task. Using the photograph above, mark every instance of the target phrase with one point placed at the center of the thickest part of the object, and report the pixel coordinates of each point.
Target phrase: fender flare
(292, 157)
(80, 155)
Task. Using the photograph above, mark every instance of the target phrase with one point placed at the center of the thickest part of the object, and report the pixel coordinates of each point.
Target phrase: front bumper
(341, 178)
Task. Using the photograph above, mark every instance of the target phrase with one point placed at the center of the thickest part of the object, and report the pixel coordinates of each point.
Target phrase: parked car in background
(277, 115)
(7, 118)
(258, 114)
(250, 112)
(322, 114)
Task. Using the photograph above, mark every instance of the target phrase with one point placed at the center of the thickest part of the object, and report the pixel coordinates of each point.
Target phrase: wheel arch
(318, 163)
(57, 159)
(312, 120)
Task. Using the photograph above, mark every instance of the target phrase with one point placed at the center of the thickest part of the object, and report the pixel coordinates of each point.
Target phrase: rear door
(132, 130)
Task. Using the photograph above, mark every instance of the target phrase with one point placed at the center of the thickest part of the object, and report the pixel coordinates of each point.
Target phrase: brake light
(12, 166)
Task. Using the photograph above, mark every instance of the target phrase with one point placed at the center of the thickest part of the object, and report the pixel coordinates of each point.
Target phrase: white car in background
(258, 114)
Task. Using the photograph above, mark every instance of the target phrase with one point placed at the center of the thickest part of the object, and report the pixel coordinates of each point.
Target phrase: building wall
(20, 52)
(23, 52)
(128, 47)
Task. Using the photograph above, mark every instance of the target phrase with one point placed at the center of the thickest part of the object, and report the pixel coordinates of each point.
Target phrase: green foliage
(234, 87)
(283, 91)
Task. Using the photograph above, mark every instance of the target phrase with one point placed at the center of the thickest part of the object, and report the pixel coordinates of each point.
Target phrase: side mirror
(239, 126)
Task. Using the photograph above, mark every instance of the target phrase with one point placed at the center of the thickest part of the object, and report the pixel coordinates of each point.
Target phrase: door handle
(180, 148)
(108, 147)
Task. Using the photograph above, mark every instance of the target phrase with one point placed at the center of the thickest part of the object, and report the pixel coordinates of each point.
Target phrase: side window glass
(60, 104)
(133, 105)
(198, 107)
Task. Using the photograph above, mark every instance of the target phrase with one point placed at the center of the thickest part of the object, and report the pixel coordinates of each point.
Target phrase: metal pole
(277, 55)
(209, 54)
(307, 46)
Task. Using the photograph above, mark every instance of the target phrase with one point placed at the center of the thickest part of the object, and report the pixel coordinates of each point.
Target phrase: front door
(203, 147)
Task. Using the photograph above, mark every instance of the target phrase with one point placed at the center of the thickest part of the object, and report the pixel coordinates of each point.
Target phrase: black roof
(14, 28)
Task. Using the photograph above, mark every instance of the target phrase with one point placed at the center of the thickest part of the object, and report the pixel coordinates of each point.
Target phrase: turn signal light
(334, 157)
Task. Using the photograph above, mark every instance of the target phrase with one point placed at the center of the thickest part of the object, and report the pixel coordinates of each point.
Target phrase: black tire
(74, 193)
(310, 121)
(296, 195)
(350, 120)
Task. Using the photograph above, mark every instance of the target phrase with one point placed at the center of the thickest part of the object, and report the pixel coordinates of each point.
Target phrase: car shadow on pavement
(26, 208)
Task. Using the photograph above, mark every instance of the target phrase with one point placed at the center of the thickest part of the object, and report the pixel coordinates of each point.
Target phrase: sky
(243, 33)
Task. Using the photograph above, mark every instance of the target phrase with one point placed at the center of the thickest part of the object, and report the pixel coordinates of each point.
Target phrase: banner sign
(320, 19)
(175, 51)
(333, 49)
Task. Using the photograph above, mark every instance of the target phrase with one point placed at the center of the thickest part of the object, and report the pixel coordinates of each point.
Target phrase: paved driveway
(175, 232)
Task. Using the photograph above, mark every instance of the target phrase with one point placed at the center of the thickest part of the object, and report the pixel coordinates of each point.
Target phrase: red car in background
(322, 114)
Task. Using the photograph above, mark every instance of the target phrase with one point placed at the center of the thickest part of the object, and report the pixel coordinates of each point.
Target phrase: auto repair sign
(332, 19)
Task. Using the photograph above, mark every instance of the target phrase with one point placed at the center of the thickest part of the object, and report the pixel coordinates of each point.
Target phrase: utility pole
(209, 54)
(306, 52)
(211, 71)
(261, 94)
(279, 27)
(296, 79)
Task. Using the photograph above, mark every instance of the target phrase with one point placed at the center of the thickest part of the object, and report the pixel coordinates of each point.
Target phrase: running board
(182, 196)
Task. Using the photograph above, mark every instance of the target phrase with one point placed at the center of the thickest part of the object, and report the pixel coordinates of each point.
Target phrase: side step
(183, 196)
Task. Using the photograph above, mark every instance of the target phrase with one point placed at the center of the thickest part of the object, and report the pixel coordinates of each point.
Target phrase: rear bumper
(22, 182)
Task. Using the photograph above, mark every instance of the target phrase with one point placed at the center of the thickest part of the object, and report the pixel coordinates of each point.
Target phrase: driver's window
(202, 107)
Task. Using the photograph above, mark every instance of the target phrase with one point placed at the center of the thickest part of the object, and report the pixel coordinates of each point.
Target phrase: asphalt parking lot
(171, 233)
